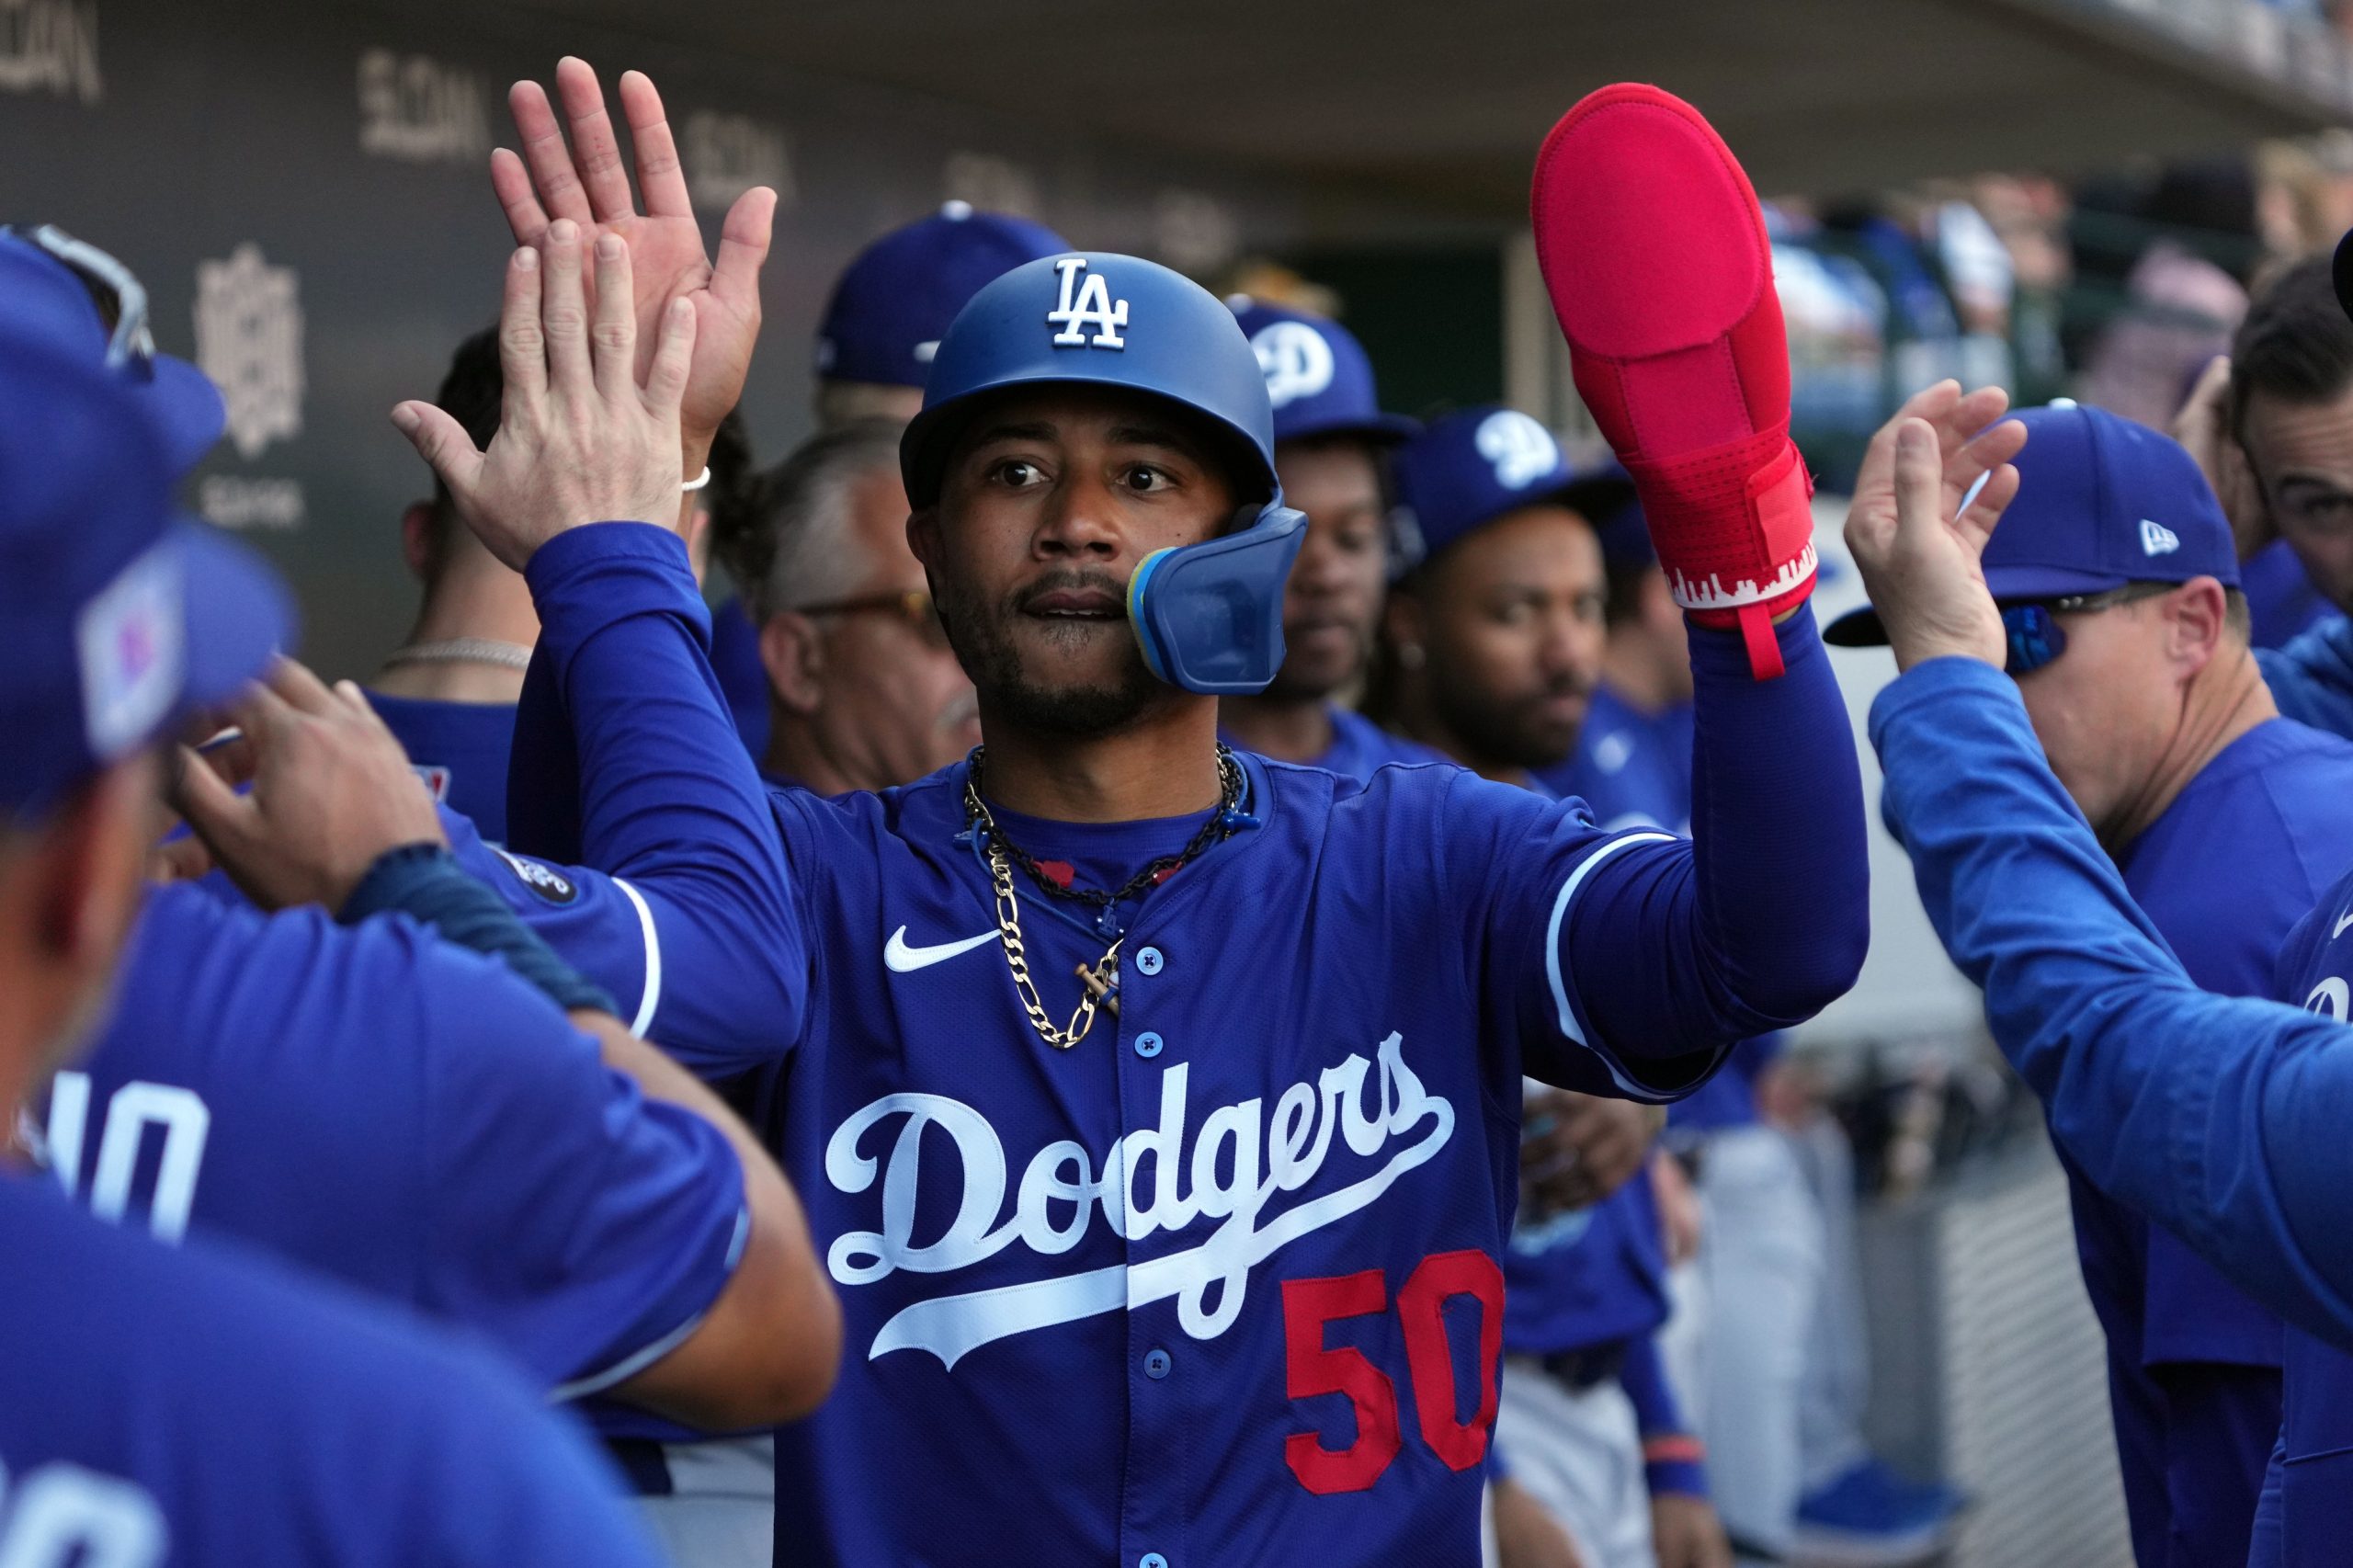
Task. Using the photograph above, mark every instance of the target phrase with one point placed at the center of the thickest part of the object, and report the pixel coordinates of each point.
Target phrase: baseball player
(1195, 1253)
(2119, 587)
(1503, 622)
(2219, 1118)
(413, 1119)
(618, 1227)
(197, 1405)
(1331, 441)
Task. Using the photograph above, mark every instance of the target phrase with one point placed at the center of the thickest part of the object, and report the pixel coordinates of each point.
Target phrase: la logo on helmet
(1521, 451)
(1093, 306)
(1296, 361)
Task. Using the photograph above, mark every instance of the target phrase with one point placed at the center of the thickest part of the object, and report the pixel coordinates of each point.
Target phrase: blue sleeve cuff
(586, 579)
(1933, 682)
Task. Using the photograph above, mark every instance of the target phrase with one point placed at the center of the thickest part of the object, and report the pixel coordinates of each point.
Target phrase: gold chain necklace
(1099, 980)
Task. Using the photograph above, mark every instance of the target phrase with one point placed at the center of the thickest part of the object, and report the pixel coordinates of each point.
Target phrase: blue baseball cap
(1468, 469)
(1318, 376)
(2102, 501)
(122, 618)
(53, 284)
(893, 303)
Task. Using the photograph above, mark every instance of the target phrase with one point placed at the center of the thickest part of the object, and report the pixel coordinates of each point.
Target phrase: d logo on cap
(1521, 451)
(1296, 361)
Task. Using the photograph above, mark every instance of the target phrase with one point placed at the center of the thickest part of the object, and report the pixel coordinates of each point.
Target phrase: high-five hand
(579, 440)
(588, 184)
(1916, 544)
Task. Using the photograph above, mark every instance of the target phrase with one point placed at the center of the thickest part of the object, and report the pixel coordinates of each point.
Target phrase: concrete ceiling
(1445, 102)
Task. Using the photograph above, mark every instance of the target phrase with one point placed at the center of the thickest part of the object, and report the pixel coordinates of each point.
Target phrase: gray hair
(795, 545)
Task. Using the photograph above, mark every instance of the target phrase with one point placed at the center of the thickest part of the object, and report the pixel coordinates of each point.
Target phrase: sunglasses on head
(2033, 628)
(113, 288)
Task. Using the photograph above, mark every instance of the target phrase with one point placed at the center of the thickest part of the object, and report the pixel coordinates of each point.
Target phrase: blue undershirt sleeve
(2220, 1118)
(1761, 919)
(668, 799)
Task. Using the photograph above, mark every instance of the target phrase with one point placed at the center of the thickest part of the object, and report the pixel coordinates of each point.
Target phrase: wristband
(426, 882)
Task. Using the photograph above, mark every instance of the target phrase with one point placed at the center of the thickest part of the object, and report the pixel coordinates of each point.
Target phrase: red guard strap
(1764, 648)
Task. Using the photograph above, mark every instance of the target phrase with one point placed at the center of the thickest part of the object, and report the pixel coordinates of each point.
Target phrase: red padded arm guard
(1654, 249)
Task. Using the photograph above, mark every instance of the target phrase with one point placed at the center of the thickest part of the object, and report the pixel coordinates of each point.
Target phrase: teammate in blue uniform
(1331, 446)
(1199, 1312)
(1506, 612)
(1632, 761)
(2220, 1118)
(2116, 570)
(356, 1438)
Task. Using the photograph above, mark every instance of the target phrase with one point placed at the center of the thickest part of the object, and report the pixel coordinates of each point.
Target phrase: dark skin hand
(1575, 1149)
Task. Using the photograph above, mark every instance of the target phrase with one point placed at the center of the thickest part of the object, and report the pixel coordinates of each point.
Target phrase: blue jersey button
(1156, 1364)
(1147, 1045)
(1149, 962)
(1152, 1559)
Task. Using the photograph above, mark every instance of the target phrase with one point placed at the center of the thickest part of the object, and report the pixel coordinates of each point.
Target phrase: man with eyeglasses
(864, 691)
(2127, 638)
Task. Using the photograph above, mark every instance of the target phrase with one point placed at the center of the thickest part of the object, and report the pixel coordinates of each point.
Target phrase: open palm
(587, 182)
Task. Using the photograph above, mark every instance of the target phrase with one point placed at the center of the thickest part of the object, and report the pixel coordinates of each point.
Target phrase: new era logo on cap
(2158, 539)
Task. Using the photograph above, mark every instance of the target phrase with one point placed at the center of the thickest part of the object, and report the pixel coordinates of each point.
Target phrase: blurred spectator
(2180, 312)
(863, 691)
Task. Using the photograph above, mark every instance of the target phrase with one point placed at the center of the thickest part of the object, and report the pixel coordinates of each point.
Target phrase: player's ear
(793, 654)
(420, 540)
(2196, 622)
(923, 538)
(1405, 624)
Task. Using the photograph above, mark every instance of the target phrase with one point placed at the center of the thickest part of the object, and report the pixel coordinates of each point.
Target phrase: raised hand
(579, 440)
(331, 792)
(2204, 427)
(1916, 543)
(588, 184)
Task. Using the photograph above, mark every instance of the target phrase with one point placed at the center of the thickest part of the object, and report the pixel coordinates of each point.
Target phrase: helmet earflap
(1210, 617)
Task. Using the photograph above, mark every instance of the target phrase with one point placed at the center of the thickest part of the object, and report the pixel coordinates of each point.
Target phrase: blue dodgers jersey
(409, 1117)
(1199, 1287)
(459, 749)
(2241, 855)
(1229, 1255)
(161, 1406)
(1586, 1279)
(2223, 875)
(2312, 678)
(1359, 746)
(2312, 1484)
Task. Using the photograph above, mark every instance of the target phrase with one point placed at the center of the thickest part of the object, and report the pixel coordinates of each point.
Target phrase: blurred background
(2067, 197)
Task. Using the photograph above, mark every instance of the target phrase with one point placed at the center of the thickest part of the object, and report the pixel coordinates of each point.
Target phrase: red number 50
(1311, 1367)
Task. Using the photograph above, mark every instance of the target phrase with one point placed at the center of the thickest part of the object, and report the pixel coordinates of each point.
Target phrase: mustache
(1061, 579)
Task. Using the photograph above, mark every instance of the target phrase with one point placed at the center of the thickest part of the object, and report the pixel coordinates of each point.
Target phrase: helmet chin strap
(1210, 617)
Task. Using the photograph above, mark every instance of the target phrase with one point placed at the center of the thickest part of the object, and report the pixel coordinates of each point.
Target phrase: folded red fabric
(1653, 248)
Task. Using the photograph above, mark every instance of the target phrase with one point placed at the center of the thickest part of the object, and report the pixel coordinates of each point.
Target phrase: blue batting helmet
(1208, 617)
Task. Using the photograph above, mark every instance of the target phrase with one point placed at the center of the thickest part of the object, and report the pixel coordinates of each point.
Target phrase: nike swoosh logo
(904, 960)
(2342, 921)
